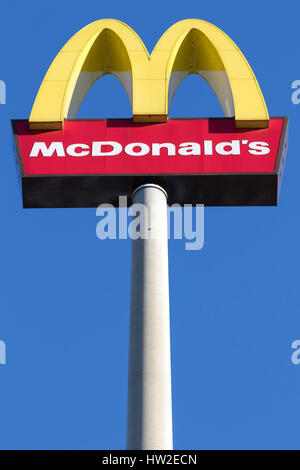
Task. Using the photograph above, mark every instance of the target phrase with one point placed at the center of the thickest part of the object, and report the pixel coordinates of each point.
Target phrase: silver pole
(149, 412)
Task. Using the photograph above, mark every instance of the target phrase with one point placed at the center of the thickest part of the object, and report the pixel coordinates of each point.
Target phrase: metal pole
(149, 413)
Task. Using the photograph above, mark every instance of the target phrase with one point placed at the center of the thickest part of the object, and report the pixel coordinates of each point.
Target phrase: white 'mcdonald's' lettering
(189, 148)
(98, 148)
(137, 149)
(259, 148)
(140, 149)
(229, 148)
(41, 147)
(78, 150)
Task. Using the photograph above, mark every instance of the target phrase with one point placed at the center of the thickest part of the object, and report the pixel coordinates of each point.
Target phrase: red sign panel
(90, 157)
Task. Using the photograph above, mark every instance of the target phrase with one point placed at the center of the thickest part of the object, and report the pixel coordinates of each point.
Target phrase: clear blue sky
(64, 303)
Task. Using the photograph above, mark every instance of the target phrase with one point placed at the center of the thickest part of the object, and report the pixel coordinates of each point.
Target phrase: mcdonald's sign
(235, 160)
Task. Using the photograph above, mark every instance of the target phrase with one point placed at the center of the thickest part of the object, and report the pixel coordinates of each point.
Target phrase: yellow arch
(110, 46)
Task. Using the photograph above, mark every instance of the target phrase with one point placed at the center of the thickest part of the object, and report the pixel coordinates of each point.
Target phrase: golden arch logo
(82, 163)
(111, 47)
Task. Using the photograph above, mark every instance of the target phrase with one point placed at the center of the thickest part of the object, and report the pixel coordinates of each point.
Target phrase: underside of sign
(197, 161)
